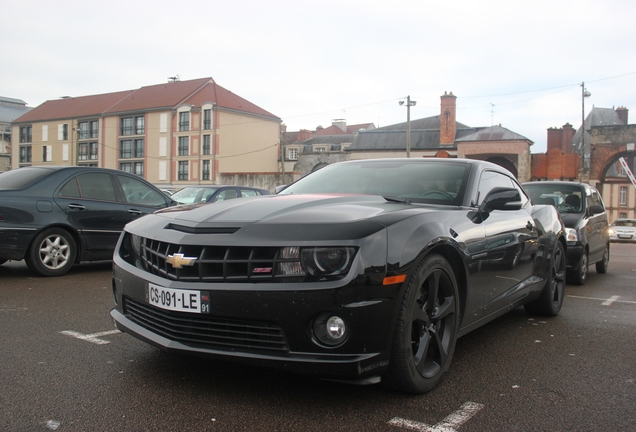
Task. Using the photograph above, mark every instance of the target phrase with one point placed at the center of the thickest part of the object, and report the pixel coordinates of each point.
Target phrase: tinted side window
(70, 189)
(490, 180)
(139, 193)
(97, 186)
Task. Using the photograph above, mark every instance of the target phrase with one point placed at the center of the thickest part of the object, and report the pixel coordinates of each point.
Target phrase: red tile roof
(73, 107)
(168, 95)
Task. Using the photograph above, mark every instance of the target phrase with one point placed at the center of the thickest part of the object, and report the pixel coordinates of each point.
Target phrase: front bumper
(574, 252)
(239, 310)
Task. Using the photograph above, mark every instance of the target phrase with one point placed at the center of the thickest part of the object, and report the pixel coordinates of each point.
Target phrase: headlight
(327, 261)
(135, 242)
(570, 235)
(315, 261)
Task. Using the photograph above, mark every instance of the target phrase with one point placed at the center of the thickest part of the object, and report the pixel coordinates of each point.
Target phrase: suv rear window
(22, 177)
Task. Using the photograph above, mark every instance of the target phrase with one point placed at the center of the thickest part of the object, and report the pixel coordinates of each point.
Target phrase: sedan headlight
(571, 235)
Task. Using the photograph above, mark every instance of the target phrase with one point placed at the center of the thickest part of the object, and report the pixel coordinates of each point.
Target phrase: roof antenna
(174, 78)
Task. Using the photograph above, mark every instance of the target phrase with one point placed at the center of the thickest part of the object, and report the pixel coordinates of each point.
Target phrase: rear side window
(96, 186)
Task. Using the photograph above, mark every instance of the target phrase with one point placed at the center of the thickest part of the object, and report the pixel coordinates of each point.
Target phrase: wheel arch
(70, 230)
(456, 262)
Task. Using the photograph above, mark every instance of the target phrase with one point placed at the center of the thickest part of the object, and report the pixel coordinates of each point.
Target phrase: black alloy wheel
(551, 299)
(426, 332)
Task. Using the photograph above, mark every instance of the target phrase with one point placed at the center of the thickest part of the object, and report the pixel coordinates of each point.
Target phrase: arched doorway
(505, 163)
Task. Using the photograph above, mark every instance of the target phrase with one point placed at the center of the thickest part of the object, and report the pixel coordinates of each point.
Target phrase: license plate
(178, 299)
(625, 236)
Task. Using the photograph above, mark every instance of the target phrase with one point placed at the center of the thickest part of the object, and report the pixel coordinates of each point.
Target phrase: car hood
(572, 220)
(288, 209)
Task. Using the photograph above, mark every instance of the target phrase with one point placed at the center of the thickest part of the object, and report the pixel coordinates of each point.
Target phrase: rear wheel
(579, 276)
(551, 299)
(602, 265)
(52, 252)
(426, 330)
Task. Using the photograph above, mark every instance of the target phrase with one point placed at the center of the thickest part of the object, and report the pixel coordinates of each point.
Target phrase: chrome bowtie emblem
(178, 260)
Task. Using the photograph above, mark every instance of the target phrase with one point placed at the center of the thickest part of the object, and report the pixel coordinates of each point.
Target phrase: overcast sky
(515, 63)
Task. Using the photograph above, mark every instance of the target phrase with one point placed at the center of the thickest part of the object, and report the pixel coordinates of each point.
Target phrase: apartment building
(177, 133)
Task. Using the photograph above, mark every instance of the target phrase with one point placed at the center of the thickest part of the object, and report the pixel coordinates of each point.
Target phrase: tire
(579, 276)
(426, 330)
(551, 299)
(602, 265)
(52, 252)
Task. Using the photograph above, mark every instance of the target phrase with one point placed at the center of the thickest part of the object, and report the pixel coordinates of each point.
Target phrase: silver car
(623, 230)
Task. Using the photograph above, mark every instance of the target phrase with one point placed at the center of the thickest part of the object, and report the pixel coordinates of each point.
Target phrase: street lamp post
(409, 104)
(584, 168)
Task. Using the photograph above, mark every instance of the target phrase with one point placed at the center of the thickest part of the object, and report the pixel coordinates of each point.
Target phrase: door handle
(76, 207)
(134, 211)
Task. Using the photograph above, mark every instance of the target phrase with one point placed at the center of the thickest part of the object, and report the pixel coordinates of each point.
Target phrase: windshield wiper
(398, 200)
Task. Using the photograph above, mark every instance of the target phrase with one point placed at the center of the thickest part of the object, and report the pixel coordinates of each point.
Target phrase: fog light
(330, 330)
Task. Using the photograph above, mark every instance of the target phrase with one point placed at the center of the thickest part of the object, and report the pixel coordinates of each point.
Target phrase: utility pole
(409, 104)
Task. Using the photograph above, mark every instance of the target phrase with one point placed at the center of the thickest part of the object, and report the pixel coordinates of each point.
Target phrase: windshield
(566, 198)
(416, 181)
(192, 195)
(625, 222)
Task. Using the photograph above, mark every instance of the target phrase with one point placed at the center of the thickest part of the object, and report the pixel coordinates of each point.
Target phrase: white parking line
(449, 424)
(610, 300)
(606, 301)
(93, 338)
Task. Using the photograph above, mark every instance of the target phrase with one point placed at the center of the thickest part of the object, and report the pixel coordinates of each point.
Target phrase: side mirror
(595, 209)
(501, 198)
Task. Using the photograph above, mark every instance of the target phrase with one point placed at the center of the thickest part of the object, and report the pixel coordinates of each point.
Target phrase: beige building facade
(174, 134)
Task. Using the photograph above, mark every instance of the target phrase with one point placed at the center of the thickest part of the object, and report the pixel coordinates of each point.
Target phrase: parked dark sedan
(214, 193)
(53, 217)
(363, 270)
(583, 213)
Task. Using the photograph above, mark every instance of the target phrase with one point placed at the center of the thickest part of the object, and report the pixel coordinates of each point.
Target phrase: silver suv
(583, 212)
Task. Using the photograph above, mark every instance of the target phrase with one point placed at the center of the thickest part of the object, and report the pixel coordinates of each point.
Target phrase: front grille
(205, 331)
(213, 263)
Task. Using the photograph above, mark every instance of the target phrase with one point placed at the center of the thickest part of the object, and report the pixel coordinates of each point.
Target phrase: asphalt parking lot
(65, 368)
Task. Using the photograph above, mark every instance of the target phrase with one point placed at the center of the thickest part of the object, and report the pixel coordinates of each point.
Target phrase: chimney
(622, 114)
(568, 136)
(447, 119)
(554, 138)
(340, 123)
(304, 135)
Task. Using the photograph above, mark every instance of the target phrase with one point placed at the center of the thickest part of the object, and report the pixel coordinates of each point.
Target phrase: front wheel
(426, 331)
(52, 252)
(579, 276)
(551, 299)
(602, 265)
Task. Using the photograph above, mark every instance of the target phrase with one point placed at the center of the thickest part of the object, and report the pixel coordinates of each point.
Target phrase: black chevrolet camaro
(364, 270)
